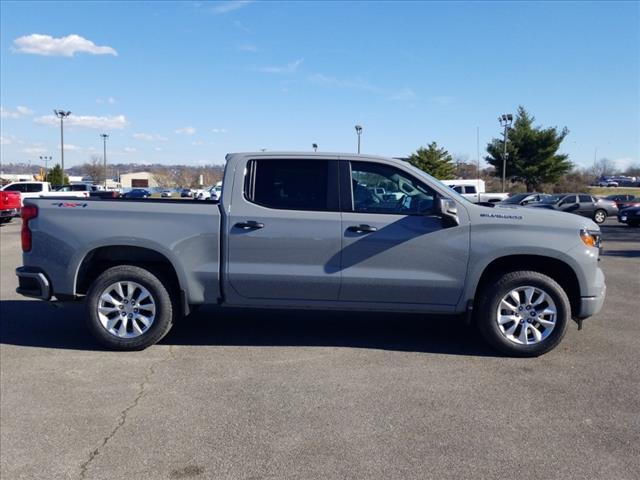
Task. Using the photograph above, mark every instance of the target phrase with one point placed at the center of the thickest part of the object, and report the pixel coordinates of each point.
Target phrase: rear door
(587, 206)
(283, 231)
(396, 249)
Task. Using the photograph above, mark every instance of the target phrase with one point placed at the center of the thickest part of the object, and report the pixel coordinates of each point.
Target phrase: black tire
(497, 288)
(599, 216)
(166, 307)
(5, 220)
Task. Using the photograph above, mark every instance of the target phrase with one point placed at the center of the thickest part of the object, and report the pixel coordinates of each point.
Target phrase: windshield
(552, 199)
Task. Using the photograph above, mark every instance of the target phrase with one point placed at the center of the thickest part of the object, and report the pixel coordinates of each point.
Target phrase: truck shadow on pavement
(39, 324)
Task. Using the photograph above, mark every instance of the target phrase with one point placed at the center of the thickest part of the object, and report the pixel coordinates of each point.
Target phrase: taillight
(28, 212)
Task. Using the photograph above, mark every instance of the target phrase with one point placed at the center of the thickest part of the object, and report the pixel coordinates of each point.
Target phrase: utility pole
(505, 121)
(104, 146)
(61, 114)
(358, 132)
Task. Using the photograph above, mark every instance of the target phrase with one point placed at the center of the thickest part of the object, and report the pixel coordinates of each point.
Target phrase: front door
(284, 231)
(395, 246)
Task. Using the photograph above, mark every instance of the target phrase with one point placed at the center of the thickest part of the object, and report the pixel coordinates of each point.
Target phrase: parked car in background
(186, 193)
(40, 189)
(608, 183)
(634, 202)
(9, 206)
(624, 200)
(578, 203)
(474, 191)
(105, 194)
(137, 193)
(630, 216)
(78, 187)
(524, 198)
(166, 193)
(206, 194)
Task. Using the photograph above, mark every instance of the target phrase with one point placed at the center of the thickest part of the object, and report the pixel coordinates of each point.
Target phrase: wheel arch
(554, 268)
(101, 258)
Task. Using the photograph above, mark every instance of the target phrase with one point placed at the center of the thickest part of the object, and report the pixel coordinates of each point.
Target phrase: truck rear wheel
(523, 313)
(129, 308)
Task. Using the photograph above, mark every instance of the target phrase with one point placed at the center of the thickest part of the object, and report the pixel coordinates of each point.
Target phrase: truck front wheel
(129, 308)
(523, 313)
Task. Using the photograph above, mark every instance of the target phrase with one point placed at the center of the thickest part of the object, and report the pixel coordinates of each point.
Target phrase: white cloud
(116, 122)
(247, 47)
(226, 7)
(68, 46)
(355, 84)
(130, 149)
(197, 143)
(109, 100)
(149, 137)
(185, 131)
(403, 95)
(5, 140)
(158, 149)
(34, 150)
(20, 111)
(443, 100)
(287, 69)
(219, 130)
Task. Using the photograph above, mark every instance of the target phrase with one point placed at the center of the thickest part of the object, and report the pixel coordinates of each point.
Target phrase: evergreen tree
(56, 177)
(532, 153)
(436, 161)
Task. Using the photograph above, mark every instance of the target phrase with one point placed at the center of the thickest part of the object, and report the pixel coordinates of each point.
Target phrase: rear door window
(292, 184)
(586, 199)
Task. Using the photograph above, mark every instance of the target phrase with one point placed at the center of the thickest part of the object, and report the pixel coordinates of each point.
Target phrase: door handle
(249, 225)
(362, 229)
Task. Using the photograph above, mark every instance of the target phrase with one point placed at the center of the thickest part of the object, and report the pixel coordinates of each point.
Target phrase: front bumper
(590, 306)
(33, 283)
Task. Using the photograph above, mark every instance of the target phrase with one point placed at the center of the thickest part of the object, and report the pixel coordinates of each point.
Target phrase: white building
(138, 180)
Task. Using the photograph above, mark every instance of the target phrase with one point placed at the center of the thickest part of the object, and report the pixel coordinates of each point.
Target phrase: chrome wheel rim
(600, 217)
(126, 309)
(526, 315)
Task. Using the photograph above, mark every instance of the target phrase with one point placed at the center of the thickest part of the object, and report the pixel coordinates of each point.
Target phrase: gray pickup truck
(301, 230)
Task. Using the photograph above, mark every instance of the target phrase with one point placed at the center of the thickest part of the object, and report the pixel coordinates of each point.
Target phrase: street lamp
(61, 114)
(104, 156)
(358, 132)
(505, 121)
(314, 146)
(45, 159)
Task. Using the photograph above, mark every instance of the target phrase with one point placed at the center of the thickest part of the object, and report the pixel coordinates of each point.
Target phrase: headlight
(590, 238)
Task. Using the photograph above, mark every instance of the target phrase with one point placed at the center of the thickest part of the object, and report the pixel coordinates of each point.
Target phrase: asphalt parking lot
(253, 395)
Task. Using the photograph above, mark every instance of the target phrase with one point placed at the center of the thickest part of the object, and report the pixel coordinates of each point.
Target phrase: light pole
(358, 132)
(45, 159)
(505, 121)
(104, 156)
(314, 146)
(61, 114)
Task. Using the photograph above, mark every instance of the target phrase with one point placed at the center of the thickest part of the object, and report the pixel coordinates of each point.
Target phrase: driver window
(379, 188)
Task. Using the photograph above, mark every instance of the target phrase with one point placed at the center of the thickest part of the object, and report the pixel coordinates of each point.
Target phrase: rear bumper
(33, 283)
(11, 212)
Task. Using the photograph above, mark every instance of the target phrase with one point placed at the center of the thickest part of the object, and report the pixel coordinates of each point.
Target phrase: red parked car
(9, 205)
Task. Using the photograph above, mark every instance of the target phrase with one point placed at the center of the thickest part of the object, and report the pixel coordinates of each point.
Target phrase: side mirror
(448, 210)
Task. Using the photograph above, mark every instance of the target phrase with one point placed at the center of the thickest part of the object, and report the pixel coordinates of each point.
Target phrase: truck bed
(68, 232)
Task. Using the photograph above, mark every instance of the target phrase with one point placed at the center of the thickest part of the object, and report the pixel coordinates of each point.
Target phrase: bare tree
(604, 167)
(94, 168)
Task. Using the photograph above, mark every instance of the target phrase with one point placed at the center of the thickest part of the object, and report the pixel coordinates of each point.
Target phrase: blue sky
(188, 82)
